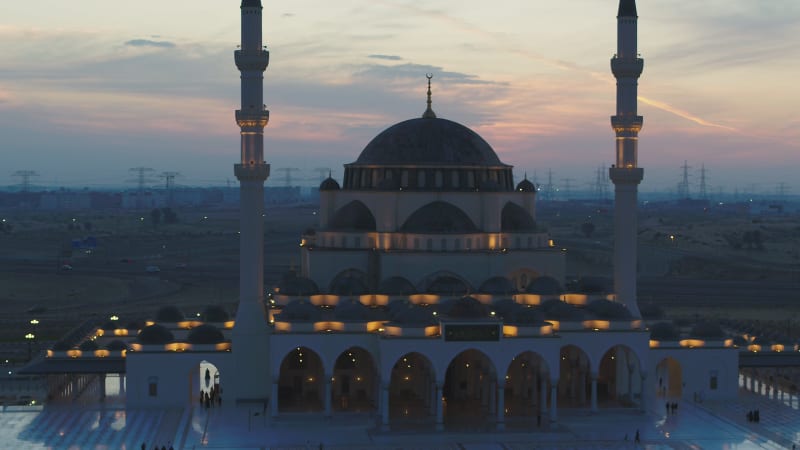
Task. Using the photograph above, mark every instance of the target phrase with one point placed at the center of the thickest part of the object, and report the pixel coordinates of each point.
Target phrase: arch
(515, 219)
(204, 385)
(412, 389)
(353, 216)
(439, 217)
(301, 382)
(470, 390)
(619, 382)
(349, 282)
(574, 383)
(669, 378)
(527, 381)
(354, 384)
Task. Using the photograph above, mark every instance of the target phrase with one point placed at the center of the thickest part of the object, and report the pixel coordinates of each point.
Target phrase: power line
(26, 176)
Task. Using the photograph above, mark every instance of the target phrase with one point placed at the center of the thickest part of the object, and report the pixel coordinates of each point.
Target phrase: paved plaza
(720, 425)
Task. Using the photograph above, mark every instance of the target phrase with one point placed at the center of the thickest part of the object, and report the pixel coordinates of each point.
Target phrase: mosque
(429, 292)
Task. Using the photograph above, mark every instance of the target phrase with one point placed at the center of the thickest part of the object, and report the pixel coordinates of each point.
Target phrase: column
(490, 396)
(501, 406)
(542, 395)
(385, 407)
(553, 400)
(102, 386)
(644, 391)
(439, 407)
(273, 401)
(594, 392)
(328, 394)
(434, 401)
(122, 384)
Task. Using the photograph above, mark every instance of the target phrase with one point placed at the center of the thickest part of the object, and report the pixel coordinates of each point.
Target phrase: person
(636, 437)
(666, 406)
(144, 445)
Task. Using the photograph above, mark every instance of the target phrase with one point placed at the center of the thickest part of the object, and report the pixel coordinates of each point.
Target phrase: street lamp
(29, 337)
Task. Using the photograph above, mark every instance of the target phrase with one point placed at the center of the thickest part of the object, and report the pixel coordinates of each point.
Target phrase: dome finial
(429, 114)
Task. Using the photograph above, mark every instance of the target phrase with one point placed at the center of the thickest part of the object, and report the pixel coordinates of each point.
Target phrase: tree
(587, 228)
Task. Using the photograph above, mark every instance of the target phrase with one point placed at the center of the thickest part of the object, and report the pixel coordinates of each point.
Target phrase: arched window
(420, 178)
(439, 179)
(404, 179)
(471, 180)
(444, 245)
(455, 179)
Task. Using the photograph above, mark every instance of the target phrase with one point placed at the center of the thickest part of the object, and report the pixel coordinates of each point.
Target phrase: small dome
(348, 285)
(350, 310)
(498, 286)
(465, 308)
(329, 184)
(88, 346)
(414, 315)
(205, 334)
(527, 316)
(448, 285)
(739, 341)
(155, 335)
(544, 285)
(505, 307)
(215, 313)
(651, 311)
(396, 286)
(664, 331)
(608, 310)
(558, 310)
(300, 310)
(707, 330)
(525, 186)
(134, 325)
(595, 285)
(169, 314)
(116, 345)
(297, 286)
(62, 346)
(761, 341)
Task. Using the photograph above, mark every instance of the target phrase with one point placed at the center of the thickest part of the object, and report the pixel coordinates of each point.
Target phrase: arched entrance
(669, 378)
(301, 382)
(412, 390)
(619, 381)
(354, 384)
(204, 385)
(574, 382)
(526, 384)
(470, 391)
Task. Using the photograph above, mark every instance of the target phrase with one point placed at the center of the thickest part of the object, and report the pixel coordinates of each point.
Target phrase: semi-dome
(428, 142)
(205, 334)
(558, 310)
(116, 345)
(88, 346)
(155, 335)
(465, 308)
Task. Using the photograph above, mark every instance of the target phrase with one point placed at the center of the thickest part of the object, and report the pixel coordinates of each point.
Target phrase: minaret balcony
(627, 67)
(251, 60)
(252, 119)
(626, 175)
(627, 123)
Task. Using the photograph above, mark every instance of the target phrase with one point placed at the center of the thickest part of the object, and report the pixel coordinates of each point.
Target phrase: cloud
(386, 57)
(150, 43)
(415, 71)
(287, 15)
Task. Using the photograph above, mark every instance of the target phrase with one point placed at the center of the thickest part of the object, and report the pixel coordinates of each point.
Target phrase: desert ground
(690, 264)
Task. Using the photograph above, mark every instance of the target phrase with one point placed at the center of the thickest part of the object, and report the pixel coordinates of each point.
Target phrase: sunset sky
(90, 88)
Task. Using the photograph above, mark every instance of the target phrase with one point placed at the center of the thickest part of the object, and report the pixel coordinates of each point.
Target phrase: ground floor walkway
(710, 425)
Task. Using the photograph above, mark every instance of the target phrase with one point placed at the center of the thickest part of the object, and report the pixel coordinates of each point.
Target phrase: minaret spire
(429, 114)
(626, 175)
(251, 332)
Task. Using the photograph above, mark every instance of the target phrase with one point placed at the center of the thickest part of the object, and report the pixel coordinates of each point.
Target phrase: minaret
(250, 343)
(626, 174)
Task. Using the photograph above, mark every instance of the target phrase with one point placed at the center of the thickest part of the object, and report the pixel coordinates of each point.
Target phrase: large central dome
(428, 142)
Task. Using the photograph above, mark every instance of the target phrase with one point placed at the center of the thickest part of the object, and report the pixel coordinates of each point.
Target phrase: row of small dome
(713, 331)
(403, 311)
(172, 314)
(292, 285)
